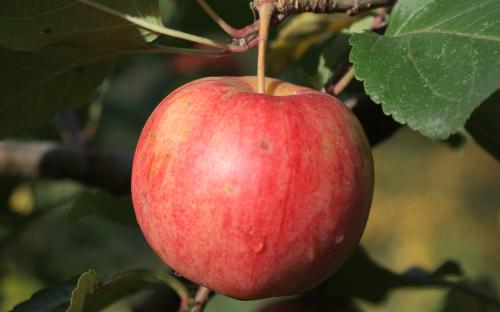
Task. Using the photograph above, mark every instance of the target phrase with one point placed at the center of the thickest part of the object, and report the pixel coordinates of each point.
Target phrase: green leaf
(87, 293)
(36, 84)
(88, 283)
(63, 51)
(66, 296)
(438, 60)
(130, 282)
(105, 205)
(378, 281)
(29, 25)
(484, 125)
(459, 301)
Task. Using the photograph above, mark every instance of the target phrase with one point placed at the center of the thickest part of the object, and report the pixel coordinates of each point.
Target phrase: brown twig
(200, 299)
(233, 32)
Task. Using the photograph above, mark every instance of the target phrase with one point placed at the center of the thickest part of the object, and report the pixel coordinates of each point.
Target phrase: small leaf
(87, 284)
(438, 60)
(446, 269)
(130, 282)
(85, 293)
(484, 125)
(59, 298)
(105, 205)
(460, 301)
(29, 25)
(304, 31)
(378, 280)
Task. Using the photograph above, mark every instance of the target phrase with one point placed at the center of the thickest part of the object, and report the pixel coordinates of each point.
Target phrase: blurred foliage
(483, 125)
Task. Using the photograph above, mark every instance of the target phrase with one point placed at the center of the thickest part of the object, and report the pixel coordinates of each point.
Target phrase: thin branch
(244, 37)
(217, 19)
(200, 299)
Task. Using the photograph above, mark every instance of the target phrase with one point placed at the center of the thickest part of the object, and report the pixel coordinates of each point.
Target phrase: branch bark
(108, 170)
(288, 7)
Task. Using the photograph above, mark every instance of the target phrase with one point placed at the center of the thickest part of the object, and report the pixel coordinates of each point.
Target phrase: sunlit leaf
(438, 60)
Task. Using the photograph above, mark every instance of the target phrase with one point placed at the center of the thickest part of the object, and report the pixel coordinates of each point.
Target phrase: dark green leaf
(130, 282)
(70, 48)
(459, 301)
(438, 60)
(446, 269)
(105, 205)
(484, 125)
(59, 298)
(35, 84)
(86, 293)
(30, 25)
(377, 280)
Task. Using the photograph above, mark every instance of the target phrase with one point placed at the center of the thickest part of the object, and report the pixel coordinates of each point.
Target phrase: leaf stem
(266, 10)
(162, 30)
(343, 82)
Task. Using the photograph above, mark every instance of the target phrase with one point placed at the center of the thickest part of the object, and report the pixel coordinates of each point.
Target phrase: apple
(252, 195)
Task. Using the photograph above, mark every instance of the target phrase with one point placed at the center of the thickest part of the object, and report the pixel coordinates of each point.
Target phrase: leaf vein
(422, 76)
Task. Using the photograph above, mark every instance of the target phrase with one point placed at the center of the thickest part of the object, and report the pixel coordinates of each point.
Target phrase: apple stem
(266, 11)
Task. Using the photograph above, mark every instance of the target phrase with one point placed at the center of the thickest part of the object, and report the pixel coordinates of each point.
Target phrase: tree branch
(104, 169)
(288, 7)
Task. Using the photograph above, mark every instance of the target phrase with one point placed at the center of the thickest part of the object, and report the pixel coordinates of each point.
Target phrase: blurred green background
(432, 202)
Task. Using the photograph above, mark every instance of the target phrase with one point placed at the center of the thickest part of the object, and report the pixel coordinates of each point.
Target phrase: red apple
(252, 195)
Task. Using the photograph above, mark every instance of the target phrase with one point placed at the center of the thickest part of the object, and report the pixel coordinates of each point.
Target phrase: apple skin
(252, 195)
